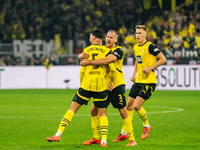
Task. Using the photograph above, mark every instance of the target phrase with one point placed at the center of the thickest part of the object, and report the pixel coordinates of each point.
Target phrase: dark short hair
(141, 27)
(98, 33)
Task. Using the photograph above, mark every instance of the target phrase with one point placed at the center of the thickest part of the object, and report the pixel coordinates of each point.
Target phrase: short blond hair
(113, 31)
(141, 27)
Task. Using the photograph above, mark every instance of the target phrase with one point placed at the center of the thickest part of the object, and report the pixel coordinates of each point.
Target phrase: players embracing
(144, 79)
(117, 96)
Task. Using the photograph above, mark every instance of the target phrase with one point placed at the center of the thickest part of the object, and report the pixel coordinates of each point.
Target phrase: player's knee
(102, 112)
(94, 111)
(136, 107)
(130, 103)
(123, 113)
(130, 106)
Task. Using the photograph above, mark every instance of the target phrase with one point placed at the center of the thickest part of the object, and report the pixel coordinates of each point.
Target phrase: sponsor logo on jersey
(115, 53)
(139, 59)
(156, 49)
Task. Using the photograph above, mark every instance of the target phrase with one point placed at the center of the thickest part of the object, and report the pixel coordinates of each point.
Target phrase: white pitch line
(173, 109)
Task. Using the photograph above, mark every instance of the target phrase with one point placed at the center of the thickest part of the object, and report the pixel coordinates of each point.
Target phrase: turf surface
(27, 117)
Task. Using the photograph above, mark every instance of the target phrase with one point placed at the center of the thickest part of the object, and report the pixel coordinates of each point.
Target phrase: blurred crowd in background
(74, 19)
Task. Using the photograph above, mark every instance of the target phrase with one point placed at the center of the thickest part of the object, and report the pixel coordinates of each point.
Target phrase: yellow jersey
(119, 76)
(94, 78)
(145, 56)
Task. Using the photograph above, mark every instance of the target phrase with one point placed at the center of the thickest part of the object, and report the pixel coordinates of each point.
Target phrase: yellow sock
(65, 121)
(129, 128)
(104, 127)
(143, 115)
(124, 131)
(130, 113)
(95, 127)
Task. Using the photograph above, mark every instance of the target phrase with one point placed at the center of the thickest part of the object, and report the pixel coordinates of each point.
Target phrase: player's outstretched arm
(110, 58)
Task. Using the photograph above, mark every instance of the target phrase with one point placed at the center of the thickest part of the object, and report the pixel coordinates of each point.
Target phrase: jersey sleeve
(153, 50)
(118, 53)
(110, 52)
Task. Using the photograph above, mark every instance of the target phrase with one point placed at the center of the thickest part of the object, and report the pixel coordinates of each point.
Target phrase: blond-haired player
(144, 85)
(117, 96)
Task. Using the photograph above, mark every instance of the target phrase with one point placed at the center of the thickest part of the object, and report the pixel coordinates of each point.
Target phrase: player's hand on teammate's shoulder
(133, 78)
(110, 87)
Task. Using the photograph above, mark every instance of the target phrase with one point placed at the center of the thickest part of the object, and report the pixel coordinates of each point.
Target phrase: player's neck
(113, 46)
(97, 42)
(142, 42)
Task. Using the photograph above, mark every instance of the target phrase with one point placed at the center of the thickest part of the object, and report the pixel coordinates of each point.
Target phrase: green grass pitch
(27, 117)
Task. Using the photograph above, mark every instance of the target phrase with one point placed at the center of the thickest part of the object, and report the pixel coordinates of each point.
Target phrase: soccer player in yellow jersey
(93, 84)
(146, 54)
(117, 96)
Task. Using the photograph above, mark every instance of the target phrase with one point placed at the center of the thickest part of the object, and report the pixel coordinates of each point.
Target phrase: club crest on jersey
(139, 59)
(142, 50)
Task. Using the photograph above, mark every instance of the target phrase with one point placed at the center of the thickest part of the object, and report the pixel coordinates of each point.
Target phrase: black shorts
(99, 98)
(142, 90)
(117, 97)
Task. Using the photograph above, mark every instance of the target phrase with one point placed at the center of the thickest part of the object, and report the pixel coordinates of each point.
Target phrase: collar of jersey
(142, 44)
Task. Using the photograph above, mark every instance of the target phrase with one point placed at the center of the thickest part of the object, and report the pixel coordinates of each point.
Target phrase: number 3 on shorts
(120, 99)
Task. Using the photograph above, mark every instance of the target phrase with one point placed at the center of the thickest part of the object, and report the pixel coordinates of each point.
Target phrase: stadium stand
(64, 20)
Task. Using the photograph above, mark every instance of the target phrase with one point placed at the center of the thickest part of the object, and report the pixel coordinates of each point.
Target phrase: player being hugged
(94, 84)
